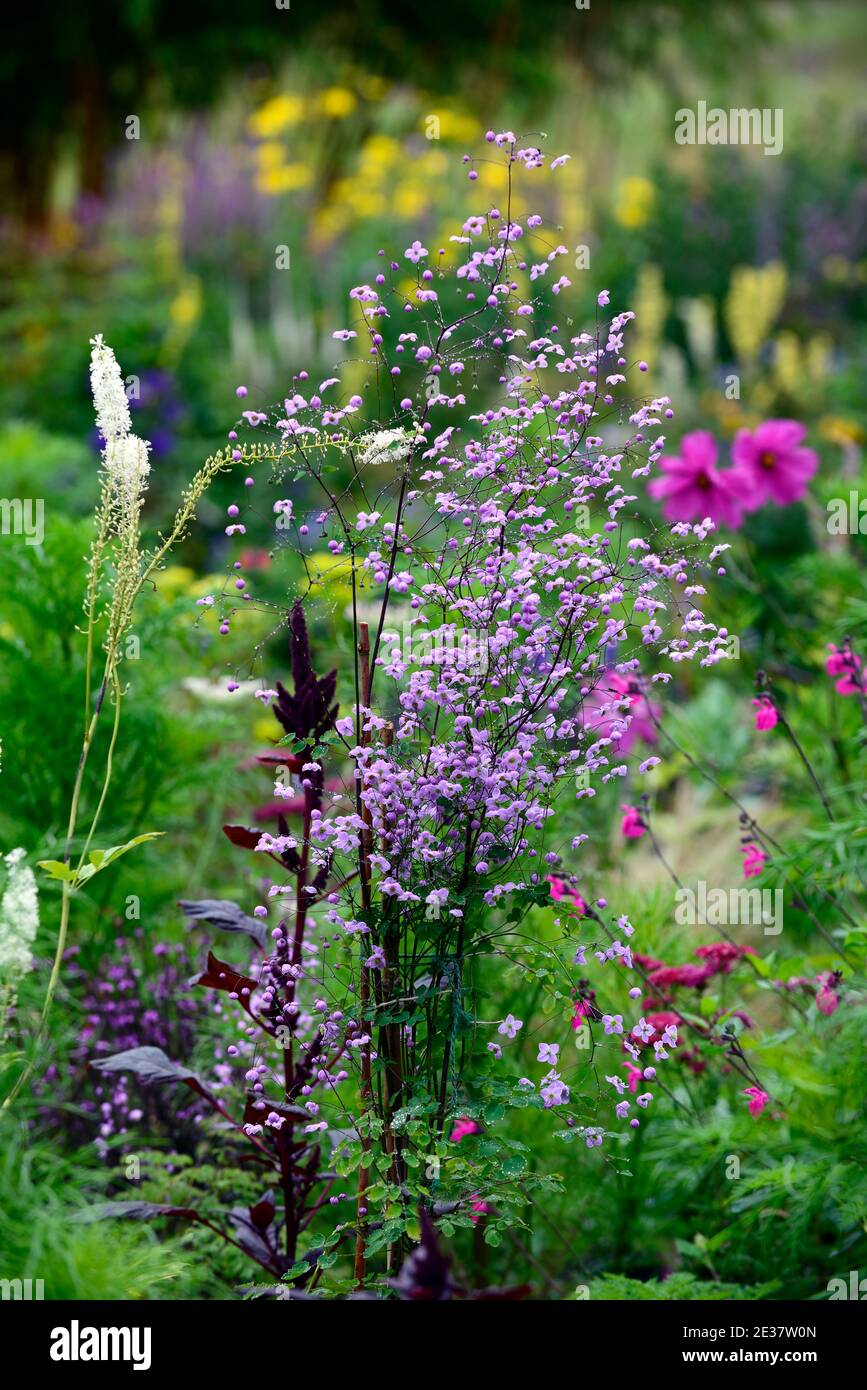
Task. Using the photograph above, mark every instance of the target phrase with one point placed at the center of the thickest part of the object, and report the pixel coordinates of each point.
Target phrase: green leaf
(514, 1166)
(55, 869)
(98, 859)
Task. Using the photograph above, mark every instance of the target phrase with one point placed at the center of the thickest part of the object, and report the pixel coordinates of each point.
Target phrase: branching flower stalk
(118, 570)
(515, 604)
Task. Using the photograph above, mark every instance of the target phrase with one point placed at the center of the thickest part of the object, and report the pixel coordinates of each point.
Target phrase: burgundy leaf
(219, 975)
(241, 836)
(226, 916)
(149, 1064)
(134, 1211)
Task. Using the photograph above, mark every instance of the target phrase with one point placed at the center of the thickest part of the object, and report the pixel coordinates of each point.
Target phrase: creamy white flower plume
(127, 460)
(19, 918)
(125, 456)
(109, 397)
(387, 446)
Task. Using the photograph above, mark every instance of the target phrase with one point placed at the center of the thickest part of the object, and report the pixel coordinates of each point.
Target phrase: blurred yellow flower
(337, 102)
(284, 178)
(380, 151)
(186, 306)
(836, 269)
(329, 222)
(453, 125)
(493, 176)
(373, 88)
(840, 431)
(793, 363)
(410, 198)
(277, 114)
(651, 307)
(265, 730)
(753, 303)
(175, 580)
(270, 153)
(433, 162)
(635, 199)
(699, 320)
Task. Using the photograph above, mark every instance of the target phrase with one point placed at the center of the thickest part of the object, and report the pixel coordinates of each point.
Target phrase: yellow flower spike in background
(279, 114)
(788, 360)
(265, 730)
(337, 102)
(840, 431)
(756, 296)
(284, 178)
(186, 306)
(270, 153)
(635, 201)
(699, 320)
(456, 126)
(175, 580)
(651, 307)
(818, 354)
(411, 198)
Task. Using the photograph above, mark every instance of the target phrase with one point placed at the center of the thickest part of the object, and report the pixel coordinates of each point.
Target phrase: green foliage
(677, 1288)
(41, 1191)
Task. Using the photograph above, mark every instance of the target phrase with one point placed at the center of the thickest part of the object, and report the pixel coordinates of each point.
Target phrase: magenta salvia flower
(758, 1099)
(845, 664)
(632, 827)
(754, 860)
(772, 464)
(766, 714)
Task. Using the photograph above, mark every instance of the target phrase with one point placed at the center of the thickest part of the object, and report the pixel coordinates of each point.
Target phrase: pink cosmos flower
(755, 860)
(847, 665)
(632, 827)
(772, 464)
(693, 487)
(766, 715)
(758, 1100)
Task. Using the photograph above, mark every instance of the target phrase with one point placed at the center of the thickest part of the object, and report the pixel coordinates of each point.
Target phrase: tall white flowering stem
(124, 473)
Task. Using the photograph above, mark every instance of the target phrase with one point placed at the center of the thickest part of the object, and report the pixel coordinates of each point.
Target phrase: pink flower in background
(766, 715)
(632, 827)
(755, 860)
(692, 976)
(479, 1209)
(720, 956)
(693, 487)
(601, 719)
(634, 1076)
(827, 998)
(560, 890)
(583, 1009)
(758, 1100)
(846, 664)
(463, 1126)
(772, 464)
